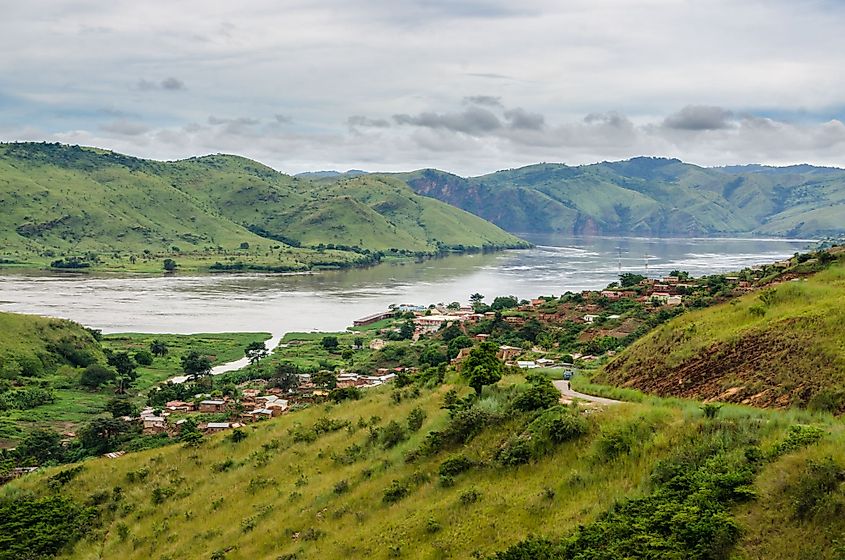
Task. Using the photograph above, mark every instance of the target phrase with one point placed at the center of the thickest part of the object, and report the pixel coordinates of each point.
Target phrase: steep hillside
(648, 196)
(782, 347)
(116, 211)
(361, 480)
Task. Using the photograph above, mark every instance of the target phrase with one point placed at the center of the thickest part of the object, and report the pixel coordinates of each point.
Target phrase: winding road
(569, 394)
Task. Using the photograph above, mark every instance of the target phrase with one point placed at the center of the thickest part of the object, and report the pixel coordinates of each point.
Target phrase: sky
(467, 86)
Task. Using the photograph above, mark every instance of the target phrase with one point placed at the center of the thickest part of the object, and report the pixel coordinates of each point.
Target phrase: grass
(650, 197)
(221, 348)
(30, 337)
(131, 214)
(782, 347)
(270, 495)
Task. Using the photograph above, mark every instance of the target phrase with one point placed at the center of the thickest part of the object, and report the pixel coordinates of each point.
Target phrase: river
(331, 300)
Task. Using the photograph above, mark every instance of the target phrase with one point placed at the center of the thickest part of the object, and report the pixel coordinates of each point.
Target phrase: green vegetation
(57, 375)
(779, 347)
(649, 197)
(221, 213)
(660, 479)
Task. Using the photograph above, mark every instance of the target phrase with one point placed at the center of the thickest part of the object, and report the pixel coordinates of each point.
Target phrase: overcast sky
(466, 86)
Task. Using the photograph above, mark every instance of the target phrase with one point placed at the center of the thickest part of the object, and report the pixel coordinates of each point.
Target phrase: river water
(332, 300)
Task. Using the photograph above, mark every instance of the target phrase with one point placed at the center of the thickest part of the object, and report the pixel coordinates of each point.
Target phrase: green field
(100, 210)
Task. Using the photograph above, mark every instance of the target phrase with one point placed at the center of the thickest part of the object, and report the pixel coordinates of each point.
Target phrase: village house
(154, 424)
(508, 353)
(179, 406)
(536, 302)
(214, 427)
(660, 297)
(212, 405)
(515, 320)
(611, 294)
(674, 300)
(462, 353)
(432, 323)
(590, 318)
(374, 318)
(377, 344)
(527, 364)
(481, 336)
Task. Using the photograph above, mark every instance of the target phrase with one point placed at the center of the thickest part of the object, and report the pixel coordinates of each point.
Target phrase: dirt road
(568, 394)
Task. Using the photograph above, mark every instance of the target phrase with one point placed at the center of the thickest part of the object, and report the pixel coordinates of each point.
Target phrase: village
(614, 313)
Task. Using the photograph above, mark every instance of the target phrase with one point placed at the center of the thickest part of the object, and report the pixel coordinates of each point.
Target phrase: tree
(95, 376)
(348, 355)
(324, 379)
(406, 331)
(455, 345)
(329, 343)
(123, 363)
(358, 342)
(504, 302)
(102, 435)
(255, 351)
(144, 358)
(482, 367)
(120, 406)
(158, 348)
(196, 365)
(476, 300)
(40, 447)
(628, 279)
(286, 377)
(169, 265)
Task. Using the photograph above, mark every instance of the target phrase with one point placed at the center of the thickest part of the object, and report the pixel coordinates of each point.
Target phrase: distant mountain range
(648, 197)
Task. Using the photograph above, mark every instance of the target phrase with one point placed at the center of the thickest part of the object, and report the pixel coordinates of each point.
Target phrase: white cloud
(467, 86)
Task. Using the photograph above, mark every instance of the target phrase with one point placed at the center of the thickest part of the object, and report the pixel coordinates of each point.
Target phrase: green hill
(783, 347)
(107, 209)
(649, 197)
(356, 480)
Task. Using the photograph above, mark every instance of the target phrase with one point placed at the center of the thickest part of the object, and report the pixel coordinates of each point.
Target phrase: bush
(395, 492)
(392, 435)
(816, 488)
(455, 465)
(40, 528)
(540, 395)
(517, 451)
(95, 376)
(470, 496)
(416, 419)
(344, 394)
(144, 358)
(341, 487)
(798, 437)
(566, 427)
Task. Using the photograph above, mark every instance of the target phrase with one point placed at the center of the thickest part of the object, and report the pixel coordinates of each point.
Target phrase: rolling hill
(355, 480)
(780, 348)
(648, 197)
(70, 201)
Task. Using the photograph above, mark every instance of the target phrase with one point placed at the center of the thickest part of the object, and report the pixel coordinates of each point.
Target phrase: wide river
(331, 300)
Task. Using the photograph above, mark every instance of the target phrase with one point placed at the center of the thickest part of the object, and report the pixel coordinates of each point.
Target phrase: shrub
(345, 393)
(432, 525)
(710, 410)
(455, 465)
(797, 437)
(517, 451)
(392, 435)
(95, 375)
(539, 395)
(395, 492)
(341, 487)
(237, 435)
(470, 496)
(144, 358)
(416, 419)
(816, 487)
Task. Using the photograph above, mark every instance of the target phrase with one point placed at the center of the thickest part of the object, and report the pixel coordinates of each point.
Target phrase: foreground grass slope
(324, 483)
(123, 212)
(648, 196)
(782, 347)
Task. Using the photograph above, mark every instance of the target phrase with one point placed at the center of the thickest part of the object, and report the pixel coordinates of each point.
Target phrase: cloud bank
(468, 86)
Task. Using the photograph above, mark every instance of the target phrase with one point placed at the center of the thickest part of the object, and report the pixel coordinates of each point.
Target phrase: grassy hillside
(118, 212)
(648, 196)
(782, 347)
(336, 481)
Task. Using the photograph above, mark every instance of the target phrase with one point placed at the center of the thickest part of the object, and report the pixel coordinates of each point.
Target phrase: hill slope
(783, 347)
(650, 197)
(66, 200)
(335, 482)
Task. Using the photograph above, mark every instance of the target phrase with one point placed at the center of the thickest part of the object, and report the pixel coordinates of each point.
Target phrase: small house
(212, 405)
